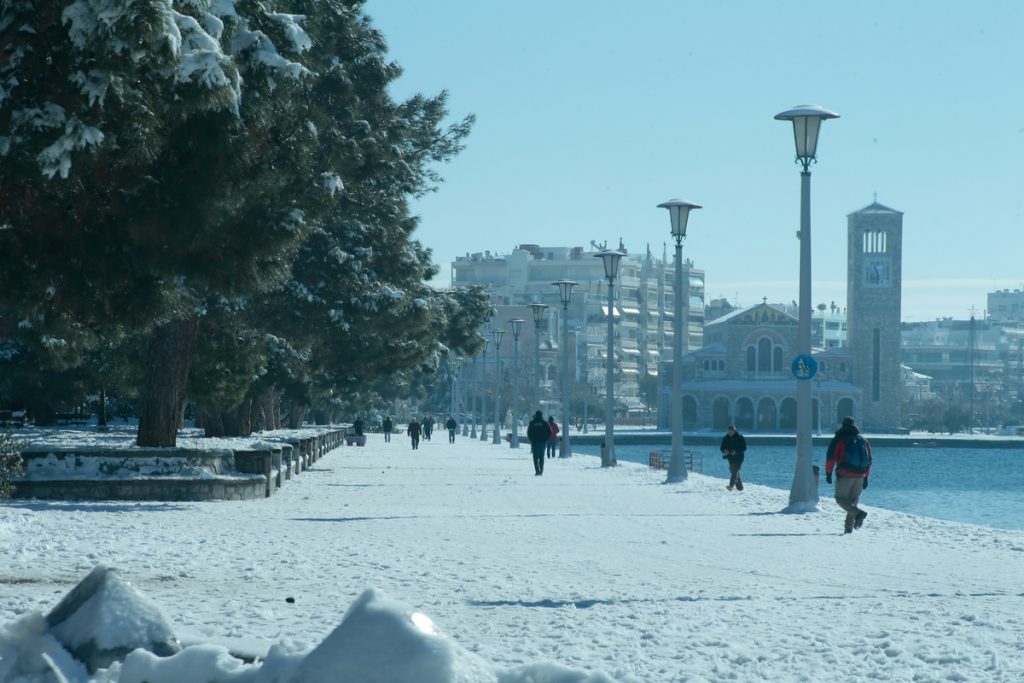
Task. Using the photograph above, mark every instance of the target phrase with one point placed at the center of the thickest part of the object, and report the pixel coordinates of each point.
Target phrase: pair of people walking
(538, 432)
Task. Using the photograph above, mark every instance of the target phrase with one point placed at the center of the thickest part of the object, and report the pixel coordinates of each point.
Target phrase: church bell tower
(874, 280)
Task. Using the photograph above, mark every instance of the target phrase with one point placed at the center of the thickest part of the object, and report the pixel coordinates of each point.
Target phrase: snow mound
(105, 631)
(104, 618)
(383, 637)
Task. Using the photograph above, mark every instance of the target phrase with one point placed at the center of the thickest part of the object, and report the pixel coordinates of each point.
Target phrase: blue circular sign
(804, 367)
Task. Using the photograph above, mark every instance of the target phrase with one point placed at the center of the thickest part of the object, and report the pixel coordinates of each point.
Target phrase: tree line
(209, 203)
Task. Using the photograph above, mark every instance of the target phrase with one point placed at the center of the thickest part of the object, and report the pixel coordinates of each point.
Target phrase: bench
(75, 418)
(12, 418)
(662, 460)
(355, 439)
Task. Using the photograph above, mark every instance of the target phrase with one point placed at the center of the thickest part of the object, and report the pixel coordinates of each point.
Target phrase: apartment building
(643, 304)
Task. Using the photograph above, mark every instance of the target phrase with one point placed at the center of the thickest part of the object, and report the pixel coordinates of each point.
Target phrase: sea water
(975, 485)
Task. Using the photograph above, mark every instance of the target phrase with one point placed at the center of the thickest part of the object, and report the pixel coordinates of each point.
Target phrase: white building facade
(643, 305)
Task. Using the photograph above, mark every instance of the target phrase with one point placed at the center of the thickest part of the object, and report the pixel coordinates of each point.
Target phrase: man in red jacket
(553, 439)
(849, 454)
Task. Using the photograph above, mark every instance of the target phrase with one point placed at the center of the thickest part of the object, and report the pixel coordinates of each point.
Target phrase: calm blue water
(975, 485)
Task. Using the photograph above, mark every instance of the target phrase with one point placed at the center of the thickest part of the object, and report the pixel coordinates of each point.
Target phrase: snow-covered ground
(583, 574)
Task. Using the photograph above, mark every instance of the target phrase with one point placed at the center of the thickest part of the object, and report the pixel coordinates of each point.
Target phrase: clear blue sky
(590, 113)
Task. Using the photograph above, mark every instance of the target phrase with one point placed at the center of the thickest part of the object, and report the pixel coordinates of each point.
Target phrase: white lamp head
(679, 212)
(806, 120)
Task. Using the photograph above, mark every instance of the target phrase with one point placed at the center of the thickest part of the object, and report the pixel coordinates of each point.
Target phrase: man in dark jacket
(538, 432)
(849, 455)
(733, 447)
(387, 426)
(452, 425)
(414, 430)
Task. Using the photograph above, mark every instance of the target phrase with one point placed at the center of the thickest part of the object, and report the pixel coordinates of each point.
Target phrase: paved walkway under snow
(599, 569)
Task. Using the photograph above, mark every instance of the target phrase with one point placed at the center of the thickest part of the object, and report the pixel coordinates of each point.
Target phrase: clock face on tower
(876, 272)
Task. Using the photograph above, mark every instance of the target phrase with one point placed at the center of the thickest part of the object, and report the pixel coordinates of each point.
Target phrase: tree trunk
(295, 416)
(264, 411)
(163, 400)
(211, 421)
(43, 414)
(236, 420)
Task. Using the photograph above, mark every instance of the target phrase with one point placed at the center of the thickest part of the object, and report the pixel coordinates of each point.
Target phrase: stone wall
(170, 474)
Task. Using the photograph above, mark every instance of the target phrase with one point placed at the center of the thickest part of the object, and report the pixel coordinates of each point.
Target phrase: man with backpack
(849, 455)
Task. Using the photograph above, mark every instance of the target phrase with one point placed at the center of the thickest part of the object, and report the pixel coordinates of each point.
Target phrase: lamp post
(466, 388)
(806, 120)
(517, 328)
(679, 212)
(586, 390)
(611, 269)
(564, 294)
(455, 365)
(538, 324)
(496, 335)
(483, 395)
(473, 400)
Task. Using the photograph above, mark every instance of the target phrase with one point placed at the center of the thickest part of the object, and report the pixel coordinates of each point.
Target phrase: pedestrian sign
(804, 367)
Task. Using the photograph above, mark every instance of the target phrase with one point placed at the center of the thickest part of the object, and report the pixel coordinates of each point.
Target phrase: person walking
(538, 432)
(357, 426)
(414, 430)
(452, 425)
(553, 439)
(849, 456)
(387, 426)
(733, 447)
(428, 427)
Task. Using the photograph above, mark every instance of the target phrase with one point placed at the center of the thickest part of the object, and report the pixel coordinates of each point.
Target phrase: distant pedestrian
(388, 426)
(452, 425)
(357, 426)
(428, 427)
(538, 432)
(849, 455)
(414, 430)
(733, 447)
(553, 439)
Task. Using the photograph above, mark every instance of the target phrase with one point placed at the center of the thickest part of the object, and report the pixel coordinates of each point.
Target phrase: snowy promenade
(599, 570)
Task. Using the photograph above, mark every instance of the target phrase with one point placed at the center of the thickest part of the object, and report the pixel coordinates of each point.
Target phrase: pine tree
(153, 157)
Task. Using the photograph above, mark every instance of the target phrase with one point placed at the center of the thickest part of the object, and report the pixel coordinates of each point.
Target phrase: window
(875, 241)
(764, 354)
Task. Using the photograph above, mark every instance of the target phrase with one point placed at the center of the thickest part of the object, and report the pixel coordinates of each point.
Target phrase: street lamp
(496, 335)
(611, 269)
(679, 212)
(806, 120)
(564, 294)
(586, 388)
(466, 388)
(473, 400)
(456, 365)
(538, 324)
(517, 328)
(483, 394)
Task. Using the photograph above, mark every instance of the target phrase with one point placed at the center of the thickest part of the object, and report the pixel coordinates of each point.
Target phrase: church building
(742, 375)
